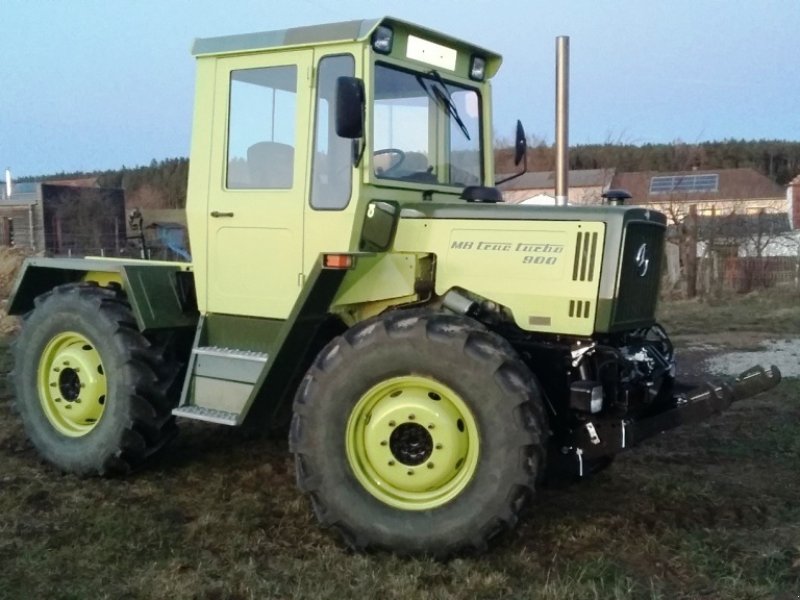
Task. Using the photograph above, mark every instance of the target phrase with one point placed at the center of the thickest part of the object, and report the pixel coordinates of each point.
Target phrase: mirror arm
(514, 176)
(358, 151)
(520, 174)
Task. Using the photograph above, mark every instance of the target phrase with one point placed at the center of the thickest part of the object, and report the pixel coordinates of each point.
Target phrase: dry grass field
(709, 511)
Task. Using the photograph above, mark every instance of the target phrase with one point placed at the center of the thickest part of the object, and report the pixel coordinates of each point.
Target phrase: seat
(270, 165)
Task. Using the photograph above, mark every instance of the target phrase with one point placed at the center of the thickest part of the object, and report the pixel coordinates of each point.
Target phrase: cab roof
(329, 33)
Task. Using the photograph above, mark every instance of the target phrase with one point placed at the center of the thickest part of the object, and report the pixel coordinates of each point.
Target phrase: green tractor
(356, 278)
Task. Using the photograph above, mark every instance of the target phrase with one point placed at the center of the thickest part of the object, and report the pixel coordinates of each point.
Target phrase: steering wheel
(398, 157)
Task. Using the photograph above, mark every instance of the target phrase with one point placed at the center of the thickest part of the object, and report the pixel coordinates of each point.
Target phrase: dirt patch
(11, 260)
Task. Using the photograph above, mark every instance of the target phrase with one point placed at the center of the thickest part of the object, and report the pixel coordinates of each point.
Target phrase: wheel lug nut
(439, 446)
(384, 443)
(391, 463)
(430, 465)
(410, 472)
(411, 417)
(65, 363)
(431, 426)
(392, 423)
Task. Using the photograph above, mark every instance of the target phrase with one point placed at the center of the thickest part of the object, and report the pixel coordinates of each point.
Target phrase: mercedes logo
(642, 261)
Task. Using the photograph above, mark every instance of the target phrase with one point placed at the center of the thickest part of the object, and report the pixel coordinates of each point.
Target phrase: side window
(331, 181)
(261, 128)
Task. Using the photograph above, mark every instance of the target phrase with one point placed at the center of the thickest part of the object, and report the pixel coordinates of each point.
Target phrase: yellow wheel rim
(412, 442)
(72, 384)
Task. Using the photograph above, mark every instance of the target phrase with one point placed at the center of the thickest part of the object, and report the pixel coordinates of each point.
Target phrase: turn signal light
(338, 261)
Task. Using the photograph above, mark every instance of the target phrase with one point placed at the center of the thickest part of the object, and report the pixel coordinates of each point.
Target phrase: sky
(98, 84)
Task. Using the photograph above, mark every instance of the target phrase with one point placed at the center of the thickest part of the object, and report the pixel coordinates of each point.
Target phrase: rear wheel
(95, 395)
(420, 433)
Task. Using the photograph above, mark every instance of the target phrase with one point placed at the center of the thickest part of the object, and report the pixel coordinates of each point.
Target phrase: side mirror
(520, 144)
(520, 154)
(349, 107)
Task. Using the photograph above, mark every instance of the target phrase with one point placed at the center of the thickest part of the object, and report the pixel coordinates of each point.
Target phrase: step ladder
(218, 384)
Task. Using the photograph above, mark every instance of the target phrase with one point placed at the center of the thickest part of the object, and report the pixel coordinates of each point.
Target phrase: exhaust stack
(562, 120)
(8, 183)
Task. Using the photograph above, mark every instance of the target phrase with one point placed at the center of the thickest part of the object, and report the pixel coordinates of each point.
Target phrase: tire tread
(473, 340)
(149, 421)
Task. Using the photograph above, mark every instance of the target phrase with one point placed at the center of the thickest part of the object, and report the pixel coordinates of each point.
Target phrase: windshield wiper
(443, 97)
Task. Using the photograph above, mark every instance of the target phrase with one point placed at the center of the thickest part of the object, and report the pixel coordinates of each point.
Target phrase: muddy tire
(419, 433)
(94, 395)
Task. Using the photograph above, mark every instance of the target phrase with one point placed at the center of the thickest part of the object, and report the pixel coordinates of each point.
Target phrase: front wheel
(93, 393)
(419, 433)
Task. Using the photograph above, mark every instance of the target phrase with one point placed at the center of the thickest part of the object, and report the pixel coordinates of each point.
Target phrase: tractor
(356, 282)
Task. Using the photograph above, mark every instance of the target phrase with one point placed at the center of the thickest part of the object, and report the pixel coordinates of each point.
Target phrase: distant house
(64, 218)
(793, 202)
(716, 192)
(585, 187)
(763, 234)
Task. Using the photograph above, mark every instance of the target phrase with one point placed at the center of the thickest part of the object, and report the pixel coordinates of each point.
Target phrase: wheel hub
(411, 444)
(69, 384)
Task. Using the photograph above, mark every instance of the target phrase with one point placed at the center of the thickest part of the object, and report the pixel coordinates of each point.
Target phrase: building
(711, 193)
(64, 218)
(586, 186)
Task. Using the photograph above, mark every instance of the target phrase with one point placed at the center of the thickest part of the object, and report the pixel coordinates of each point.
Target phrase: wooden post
(690, 252)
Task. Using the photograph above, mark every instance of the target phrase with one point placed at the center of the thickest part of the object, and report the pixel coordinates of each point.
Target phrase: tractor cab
(305, 139)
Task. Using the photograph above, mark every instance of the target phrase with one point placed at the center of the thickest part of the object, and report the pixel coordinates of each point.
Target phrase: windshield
(425, 129)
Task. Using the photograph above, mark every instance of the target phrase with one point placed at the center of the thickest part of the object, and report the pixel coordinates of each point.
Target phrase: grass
(772, 310)
(707, 511)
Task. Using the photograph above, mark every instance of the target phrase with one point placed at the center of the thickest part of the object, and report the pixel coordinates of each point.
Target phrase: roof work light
(382, 40)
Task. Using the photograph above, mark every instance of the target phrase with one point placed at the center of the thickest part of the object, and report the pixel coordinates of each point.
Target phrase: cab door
(256, 205)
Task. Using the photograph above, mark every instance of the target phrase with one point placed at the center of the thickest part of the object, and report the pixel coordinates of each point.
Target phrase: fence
(717, 274)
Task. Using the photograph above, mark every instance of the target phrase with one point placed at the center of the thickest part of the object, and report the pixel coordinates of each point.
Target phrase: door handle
(217, 214)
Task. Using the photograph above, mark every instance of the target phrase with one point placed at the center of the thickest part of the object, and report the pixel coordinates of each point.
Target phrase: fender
(161, 293)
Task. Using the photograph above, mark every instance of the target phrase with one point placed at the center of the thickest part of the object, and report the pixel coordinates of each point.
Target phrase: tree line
(779, 160)
(162, 184)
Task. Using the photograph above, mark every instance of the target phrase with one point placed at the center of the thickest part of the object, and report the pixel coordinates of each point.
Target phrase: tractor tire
(95, 396)
(418, 433)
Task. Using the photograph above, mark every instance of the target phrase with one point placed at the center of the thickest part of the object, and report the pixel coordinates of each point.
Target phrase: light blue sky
(95, 84)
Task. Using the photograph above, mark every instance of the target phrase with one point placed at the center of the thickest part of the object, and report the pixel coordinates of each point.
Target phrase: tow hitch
(604, 437)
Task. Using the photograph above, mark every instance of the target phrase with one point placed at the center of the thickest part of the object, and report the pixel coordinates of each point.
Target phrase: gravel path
(785, 354)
